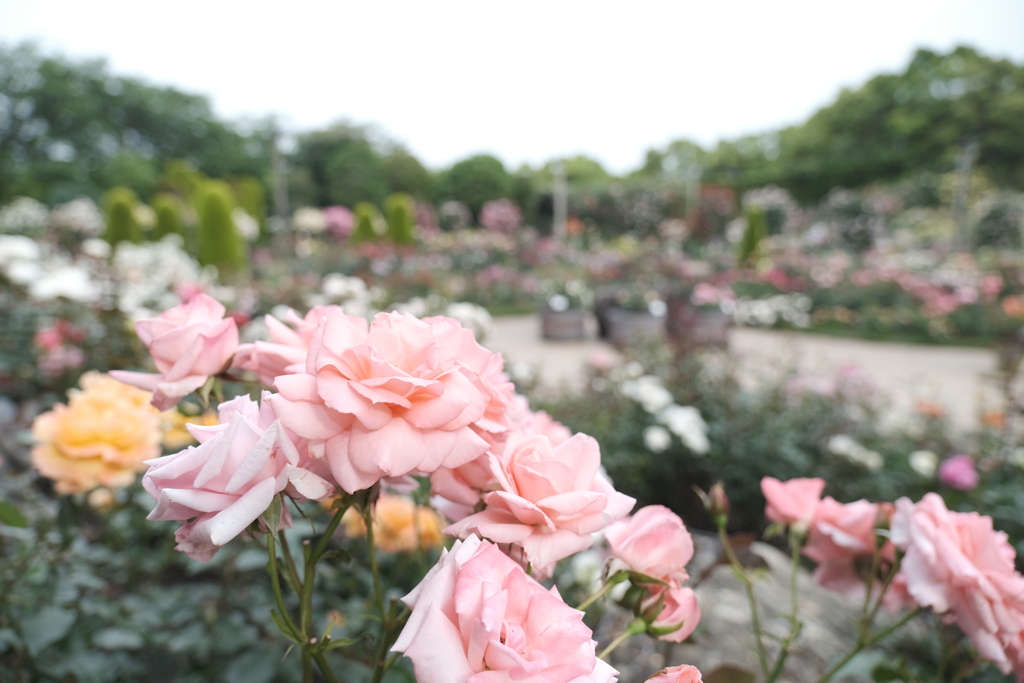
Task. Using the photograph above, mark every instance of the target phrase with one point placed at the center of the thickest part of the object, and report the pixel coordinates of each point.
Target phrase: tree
(477, 180)
(168, 216)
(398, 208)
(75, 128)
(367, 218)
(219, 242)
(119, 205)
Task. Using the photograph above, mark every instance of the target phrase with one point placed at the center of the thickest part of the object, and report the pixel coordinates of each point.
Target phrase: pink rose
(478, 618)
(549, 501)
(654, 542)
(189, 343)
(792, 502)
(680, 611)
(286, 352)
(842, 531)
(458, 490)
(959, 472)
(956, 562)
(676, 674)
(230, 479)
(386, 401)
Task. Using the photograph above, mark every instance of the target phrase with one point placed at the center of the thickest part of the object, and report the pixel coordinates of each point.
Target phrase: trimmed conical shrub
(168, 216)
(119, 205)
(399, 211)
(253, 200)
(366, 218)
(757, 228)
(219, 243)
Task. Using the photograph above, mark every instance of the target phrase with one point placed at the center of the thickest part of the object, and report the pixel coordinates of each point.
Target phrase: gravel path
(961, 380)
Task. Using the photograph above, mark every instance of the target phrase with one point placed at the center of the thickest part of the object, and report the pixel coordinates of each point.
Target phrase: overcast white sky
(525, 80)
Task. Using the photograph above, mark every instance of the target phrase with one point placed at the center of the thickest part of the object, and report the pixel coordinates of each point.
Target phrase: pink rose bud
(959, 472)
(793, 502)
(676, 674)
(189, 344)
(477, 616)
(679, 614)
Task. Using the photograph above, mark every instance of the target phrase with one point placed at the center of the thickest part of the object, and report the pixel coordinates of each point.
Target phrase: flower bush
(102, 437)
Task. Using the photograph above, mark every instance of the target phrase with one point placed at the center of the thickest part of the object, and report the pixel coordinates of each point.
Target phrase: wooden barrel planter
(691, 328)
(564, 325)
(629, 327)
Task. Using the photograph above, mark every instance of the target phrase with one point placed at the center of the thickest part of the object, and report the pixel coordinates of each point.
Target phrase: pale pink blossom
(387, 400)
(478, 618)
(653, 542)
(792, 502)
(956, 563)
(230, 479)
(285, 353)
(842, 530)
(676, 674)
(959, 472)
(679, 611)
(549, 501)
(189, 343)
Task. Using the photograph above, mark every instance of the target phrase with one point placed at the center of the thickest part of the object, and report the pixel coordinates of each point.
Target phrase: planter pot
(629, 327)
(562, 325)
(693, 328)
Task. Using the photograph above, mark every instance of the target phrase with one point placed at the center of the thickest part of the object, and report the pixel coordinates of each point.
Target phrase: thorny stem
(275, 582)
(636, 626)
(607, 586)
(748, 585)
(379, 662)
(796, 542)
(827, 676)
(292, 569)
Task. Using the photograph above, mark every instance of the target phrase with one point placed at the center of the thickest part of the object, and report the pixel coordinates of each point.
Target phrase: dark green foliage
(398, 208)
(119, 204)
(367, 217)
(756, 230)
(1001, 223)
(406, 174)
(168, 216)
(893, 127)
(219, 242)
(476, 181)
(105, 130)
(340, 165)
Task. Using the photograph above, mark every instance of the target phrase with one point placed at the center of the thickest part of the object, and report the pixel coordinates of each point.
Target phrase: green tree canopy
(71, 127)
(476, 181)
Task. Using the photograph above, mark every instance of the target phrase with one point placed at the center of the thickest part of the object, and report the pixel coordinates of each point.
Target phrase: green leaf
(272, 515)
(257, 666)
(335, 643)
(45, 627)
(11, 516)
(637, 577)
(340, 553)
(117, 639)
(284, 627)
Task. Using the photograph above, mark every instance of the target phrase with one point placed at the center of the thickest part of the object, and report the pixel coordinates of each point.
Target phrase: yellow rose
(101, 437)
(397, 522)
(176, 435)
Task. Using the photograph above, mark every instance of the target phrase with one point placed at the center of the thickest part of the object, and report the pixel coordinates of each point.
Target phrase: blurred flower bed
(667, 425)
(87, 581)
